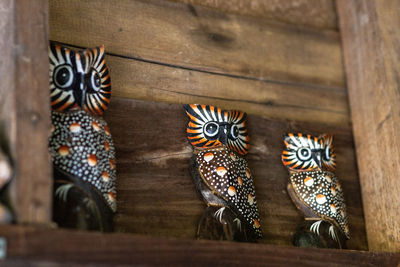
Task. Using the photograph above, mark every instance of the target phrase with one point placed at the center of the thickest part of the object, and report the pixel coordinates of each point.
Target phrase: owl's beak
(80, 93)
(223, 137)
(317, 158)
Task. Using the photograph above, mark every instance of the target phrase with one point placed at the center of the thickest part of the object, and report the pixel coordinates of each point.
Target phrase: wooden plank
(174, 85)
(25, 112)
(201, 39)
(27, 245)
(156, 195)
(158, 82)
(320, 14)
(371, 49)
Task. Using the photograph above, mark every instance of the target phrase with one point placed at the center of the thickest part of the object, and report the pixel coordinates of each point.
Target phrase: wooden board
(319, 14)
(24, 102)
(202, 39)
(147, 81)
(66, 248)
(158, 82)
(371, 48)
(156, 195)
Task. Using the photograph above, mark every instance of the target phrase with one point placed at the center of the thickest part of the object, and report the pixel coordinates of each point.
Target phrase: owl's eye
(234, 134)
(63, 76)
(95, 80)
(327, 154)
(304, 153)
(211, 129)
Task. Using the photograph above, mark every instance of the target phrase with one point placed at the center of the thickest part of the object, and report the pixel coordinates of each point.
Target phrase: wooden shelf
(286, 73)
(29, 244)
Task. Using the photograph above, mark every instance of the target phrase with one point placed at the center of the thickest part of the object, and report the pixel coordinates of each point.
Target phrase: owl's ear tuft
(327, 140)
(101, 48)
(53, 45)
(189, 108)
(237, 117)
(186, 107)
(286, 138)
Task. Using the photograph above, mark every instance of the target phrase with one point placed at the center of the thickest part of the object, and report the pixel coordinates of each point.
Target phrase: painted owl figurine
(81, 146)
(220, 139)
(316, 191)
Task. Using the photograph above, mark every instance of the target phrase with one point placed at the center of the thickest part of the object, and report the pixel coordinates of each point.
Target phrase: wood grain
(25, 112)
(156, 195)
(154, 82)
(371, 42)
(66, 248)
(161, 83)
(320, 14)
(201, 39)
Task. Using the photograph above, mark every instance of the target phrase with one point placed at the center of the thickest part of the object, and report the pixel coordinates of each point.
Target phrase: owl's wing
(322, 192)
(229, 178)
(79, 205)
(83, 156)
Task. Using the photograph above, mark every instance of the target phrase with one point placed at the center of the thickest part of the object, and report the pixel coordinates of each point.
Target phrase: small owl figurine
(81, 145)
(221, 175)
(316, 191)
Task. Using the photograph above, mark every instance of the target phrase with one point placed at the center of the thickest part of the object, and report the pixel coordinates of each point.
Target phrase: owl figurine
(220, 139)
(316, 191)
(81, 146)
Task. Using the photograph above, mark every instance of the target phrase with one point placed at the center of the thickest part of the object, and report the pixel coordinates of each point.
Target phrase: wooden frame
(73, 247)
(25, 126)
(25, 115)
(371, 45)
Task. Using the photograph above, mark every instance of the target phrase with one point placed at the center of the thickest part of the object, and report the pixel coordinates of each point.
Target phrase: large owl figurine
(316, 191)
(219, 139)
(80, 144)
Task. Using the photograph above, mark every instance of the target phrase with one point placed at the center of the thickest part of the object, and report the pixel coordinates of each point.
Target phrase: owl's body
(221, 175)
(316, 192)
(81, 145)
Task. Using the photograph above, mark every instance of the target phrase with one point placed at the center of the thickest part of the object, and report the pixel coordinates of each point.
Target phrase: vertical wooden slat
(24, 105)
(371, 43)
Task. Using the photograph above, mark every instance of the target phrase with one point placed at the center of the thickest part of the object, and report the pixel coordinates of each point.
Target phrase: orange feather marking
(192, 131)
(200, 141)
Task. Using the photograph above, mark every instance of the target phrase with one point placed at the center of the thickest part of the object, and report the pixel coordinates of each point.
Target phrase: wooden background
(179, 53)
(285, 71)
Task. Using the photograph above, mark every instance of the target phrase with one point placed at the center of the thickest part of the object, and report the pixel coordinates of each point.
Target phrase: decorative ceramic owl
(219, 139)
(315, 190)
(81, 145)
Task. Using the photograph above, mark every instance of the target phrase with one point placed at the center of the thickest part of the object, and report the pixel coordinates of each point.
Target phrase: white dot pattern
(324, 196)
(228, 186)
(84, 144)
